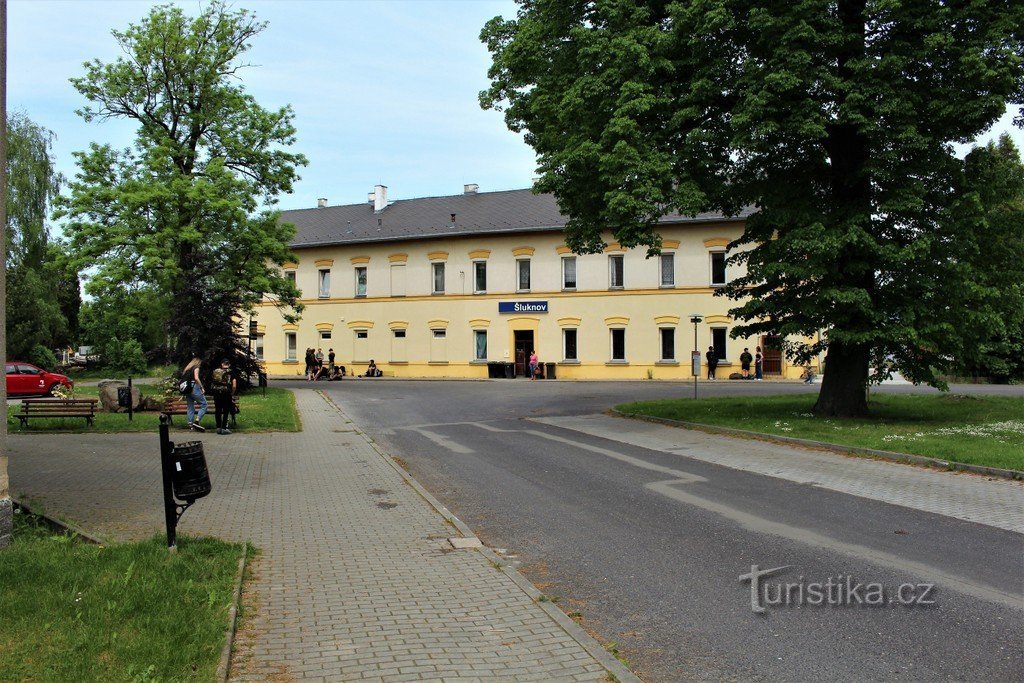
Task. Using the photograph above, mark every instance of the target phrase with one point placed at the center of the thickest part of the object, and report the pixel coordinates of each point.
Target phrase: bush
(43, 357)
(125, 357)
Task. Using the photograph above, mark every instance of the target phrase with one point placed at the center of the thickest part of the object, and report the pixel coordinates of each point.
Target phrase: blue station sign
(522, 307)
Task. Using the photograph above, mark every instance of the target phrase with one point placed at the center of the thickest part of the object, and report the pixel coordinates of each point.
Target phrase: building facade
(440, 286)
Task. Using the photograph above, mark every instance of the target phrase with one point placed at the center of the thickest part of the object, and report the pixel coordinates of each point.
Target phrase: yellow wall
(641, 307)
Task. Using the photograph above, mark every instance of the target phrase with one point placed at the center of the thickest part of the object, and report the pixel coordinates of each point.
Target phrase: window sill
(522, 291)
(479, 361)
(569, 362)
(479, 293)
(667, 287)
(615, 288)
(289, 362)
(437, 294)
(617, 362)
(719, 284)
(568, 289)
(359, 296)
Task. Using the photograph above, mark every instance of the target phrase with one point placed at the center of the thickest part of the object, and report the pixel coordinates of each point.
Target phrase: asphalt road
(660, 576)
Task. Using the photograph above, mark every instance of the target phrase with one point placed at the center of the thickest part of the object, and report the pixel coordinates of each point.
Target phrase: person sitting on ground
(337, 372)
(372, 370)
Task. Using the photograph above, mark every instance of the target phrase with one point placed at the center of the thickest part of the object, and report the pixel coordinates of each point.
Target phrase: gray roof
(481, 213)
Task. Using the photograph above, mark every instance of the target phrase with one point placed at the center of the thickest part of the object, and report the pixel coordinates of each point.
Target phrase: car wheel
(53, 390)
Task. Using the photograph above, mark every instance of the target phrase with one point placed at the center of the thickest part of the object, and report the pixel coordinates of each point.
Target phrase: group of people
(315, 368)
(223, 386)
(745, 361)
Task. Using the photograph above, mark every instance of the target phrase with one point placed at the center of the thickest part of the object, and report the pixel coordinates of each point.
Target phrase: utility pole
(6, 506)
(696, 319)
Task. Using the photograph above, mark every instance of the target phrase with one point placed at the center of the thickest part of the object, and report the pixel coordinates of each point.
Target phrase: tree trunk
(843, 385)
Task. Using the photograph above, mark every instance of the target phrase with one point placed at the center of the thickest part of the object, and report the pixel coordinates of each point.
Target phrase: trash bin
(190, 478)
(510, 370)
(549, 371)
(494, 370)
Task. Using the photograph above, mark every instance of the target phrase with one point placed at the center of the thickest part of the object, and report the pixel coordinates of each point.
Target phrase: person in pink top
(533, 366)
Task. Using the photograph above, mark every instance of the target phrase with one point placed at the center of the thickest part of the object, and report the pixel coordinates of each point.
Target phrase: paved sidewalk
(357, 579)
(974, 498)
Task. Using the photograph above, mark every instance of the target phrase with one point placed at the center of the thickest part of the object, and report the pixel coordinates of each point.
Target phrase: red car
(25, 379)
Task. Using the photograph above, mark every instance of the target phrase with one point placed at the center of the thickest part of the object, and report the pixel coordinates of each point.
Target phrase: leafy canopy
(833, 122)
(187, 211)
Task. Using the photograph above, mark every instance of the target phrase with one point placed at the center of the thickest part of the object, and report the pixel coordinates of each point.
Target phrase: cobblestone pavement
(356, 580)
(974, 498)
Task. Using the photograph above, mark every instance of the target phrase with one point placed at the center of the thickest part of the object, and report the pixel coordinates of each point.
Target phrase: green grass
(274, 413)
(980, 430)
(128, 612)
(77, 374)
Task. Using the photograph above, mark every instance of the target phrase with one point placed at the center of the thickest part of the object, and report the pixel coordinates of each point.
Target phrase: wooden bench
(57, 407)
(178, 406)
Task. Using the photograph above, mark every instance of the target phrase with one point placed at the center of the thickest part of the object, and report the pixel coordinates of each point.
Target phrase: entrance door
(524, 347)
(771, 347)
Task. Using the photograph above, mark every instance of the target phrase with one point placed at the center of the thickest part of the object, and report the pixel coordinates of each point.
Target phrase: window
(569, 344)
(398, 346)
(289, 346)
(397, 279)
(479, 277)
(361, 281)
(289, 275)
(480, 344)
(718, 268)
(569, 272)
(523, 273)
(618, 344)
(668, 270)
(438, 346)
(438, 269)
(325, 283)
(361, 346)
(615, 272)
(259, 347)
(325, 335)
(718, 341)
(668, 343)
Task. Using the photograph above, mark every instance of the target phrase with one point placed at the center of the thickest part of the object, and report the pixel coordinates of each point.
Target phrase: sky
(384, 92)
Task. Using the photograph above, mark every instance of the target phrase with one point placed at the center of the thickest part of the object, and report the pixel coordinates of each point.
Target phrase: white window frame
(520, 265)
(366, 283)
(725, 343)
(258, 346)
(711, 268)
(291, 346)
(661, 269)
(477, 334)
(478, 265)
(323, 283)
(575, 274)
(434, 266)
(611, 344)
(612, 259)
(661, 344)
(576, 333)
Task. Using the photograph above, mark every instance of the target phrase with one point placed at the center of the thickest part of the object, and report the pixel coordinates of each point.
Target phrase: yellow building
(440, 286)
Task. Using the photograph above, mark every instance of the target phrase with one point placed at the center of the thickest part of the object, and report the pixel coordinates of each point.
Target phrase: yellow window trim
(616, 320)
(289, 266)
(666, 320)
(359, 260)
(438, 324)
(437, 255)
(480, 254)
(479, 322)
(670, 244)
(325, 327)
(569, 322)
(398, 258)
(365, 324)
(398, 324)
(713, 242)
(324, 262)
(523, 251)
(613, 246)
(290, 327)
(717, 319)
(563, 250)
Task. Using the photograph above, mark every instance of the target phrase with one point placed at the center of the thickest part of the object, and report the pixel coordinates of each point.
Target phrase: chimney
(369, 198)
(321, 203)
(380, 197)
(470, 188)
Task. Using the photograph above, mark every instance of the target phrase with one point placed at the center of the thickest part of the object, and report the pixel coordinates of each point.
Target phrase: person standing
(310, 360)
(224, 386)
(745, 360)
(196, 395)
(533, 365)
(712, 358)
(758, 365)
(330, 363)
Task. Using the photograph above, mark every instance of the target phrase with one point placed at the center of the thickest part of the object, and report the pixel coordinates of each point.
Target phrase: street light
(696, 319)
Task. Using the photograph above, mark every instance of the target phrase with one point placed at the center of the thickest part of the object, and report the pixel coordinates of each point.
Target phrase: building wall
(363, 328)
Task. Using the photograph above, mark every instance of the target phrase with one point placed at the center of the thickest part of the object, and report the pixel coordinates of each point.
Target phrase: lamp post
(696, 319)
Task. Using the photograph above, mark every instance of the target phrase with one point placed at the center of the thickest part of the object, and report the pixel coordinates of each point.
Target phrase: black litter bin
(510, 370)
(549, 371)
(190, 477)
(494, 370)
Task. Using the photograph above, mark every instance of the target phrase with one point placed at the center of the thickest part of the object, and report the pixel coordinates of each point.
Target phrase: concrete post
(6, 510)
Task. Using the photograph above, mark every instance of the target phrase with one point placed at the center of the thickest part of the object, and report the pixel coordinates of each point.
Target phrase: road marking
(442, 441)
(801, 535)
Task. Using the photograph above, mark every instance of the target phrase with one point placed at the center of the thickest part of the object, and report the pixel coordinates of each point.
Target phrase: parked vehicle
(25, 379)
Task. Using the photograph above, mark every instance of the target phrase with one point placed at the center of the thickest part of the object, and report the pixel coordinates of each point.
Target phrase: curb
(224, 666)
(59, 525)
(892, 456)
(585, 640)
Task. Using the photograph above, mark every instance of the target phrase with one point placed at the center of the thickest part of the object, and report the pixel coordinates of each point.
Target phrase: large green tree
(833, 121)
(187, 211)
(36, 320)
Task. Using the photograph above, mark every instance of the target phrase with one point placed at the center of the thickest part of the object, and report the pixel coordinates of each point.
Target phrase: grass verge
(133, 611)
(276, 412)
(980, 430)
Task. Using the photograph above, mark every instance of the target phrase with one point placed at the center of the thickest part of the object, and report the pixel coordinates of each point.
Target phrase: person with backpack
(191, 387)
(712, 361)
(223, 386)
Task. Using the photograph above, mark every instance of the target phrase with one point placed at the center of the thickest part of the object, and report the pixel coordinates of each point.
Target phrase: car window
(10, 369)
(28, 369)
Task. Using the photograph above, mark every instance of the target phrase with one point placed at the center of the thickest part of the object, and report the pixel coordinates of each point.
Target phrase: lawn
(73, 611)
(274, 413)
(980, 430)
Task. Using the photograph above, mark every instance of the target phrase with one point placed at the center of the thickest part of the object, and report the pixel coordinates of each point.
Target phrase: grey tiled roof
(481, 213)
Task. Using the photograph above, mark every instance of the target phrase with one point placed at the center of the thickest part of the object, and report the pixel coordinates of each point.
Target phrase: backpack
(221, 381)
(184, 385)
